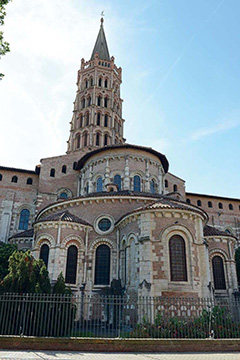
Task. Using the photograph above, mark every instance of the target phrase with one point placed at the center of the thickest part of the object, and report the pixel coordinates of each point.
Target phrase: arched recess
(216, 278)
(73, 240)
(123, 260)
(44, 239)
(166, 235)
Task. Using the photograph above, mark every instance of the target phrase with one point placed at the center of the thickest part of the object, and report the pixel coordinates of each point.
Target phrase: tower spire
(101, 47)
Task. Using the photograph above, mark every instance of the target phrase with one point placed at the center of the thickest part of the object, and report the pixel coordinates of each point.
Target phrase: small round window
(104, 224)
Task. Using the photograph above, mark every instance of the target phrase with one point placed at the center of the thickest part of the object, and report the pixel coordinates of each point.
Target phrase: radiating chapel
(109, 212)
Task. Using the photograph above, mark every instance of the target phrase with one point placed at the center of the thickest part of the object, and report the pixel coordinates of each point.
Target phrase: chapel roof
(101, 47)
(212, 231)
(23, 234)
(167, 204)
(63, 216)
(88, 155)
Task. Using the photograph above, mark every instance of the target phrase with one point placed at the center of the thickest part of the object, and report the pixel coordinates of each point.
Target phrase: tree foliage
(60, 286)
(26, 275)
(4, 46)
(6, 251)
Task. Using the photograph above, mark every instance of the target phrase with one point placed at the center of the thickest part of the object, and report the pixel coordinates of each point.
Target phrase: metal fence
(118, 316)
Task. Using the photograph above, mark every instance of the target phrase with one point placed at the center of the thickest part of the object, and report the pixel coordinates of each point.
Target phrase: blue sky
(181, 88)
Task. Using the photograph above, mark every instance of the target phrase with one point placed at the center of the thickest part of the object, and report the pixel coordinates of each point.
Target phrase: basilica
(111, 211)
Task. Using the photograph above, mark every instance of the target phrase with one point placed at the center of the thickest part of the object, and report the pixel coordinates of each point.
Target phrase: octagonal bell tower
(97, 116)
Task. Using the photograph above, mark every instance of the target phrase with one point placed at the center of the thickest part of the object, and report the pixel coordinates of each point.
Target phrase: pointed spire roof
(101, 47)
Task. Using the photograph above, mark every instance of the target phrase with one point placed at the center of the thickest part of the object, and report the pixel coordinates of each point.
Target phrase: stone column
(160, 180)
(107, 173)
(126, 181)
(90, 179)
(147, 184)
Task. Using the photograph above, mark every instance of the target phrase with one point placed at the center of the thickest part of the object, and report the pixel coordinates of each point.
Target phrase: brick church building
(108, 210)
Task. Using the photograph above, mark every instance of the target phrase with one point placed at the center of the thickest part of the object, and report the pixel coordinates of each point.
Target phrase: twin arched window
(98, 119)
(99, 100)
(218, 273)
(24, 219)
(99, 184)
(178, 264)
(102, 265)
(118, 181)
(106, 120)
(137, 183)
(44, 254)
(71, 268)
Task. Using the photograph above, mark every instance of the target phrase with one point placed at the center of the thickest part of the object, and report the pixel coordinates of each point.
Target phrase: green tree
(60, 286)
(26, 275)
(6, 251)
(4, 46)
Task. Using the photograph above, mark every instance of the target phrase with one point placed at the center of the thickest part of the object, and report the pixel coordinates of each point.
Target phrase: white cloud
(218, 128)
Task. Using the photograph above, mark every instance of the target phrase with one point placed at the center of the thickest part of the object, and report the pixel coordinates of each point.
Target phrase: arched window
(105, 102)
(87, 188)
(105, 139)
(52, 172)
(24, 219)
(1, 177)
(78, 140)
(178, 266)
(230, 207)
(85, 139)
(209, 204)
(64, 169)
(118, 181)
(91, 81)
(71, 268)
(99, 100)
(188, 201)
(63, 195)
(83, 103)
(218, 273)
(152, 186)
(100, 82)
(87, 119)
(44, 254)
(74, 165)
(97, 139)
(89, 101)
(174, 187)
(29, 181)
(199, 203)
(166, 183)
(106, 83)
(15, 179)
(106, 120)
(98, 119)
(81, 121)
(86, 84)
(136, 183)
(102, 265)
(99, 184)
(220, 205)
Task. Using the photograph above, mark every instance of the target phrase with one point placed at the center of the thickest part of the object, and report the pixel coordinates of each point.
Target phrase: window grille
(178, 266)
(218, 273)
(24, 219)
(102, 265)
(71, 269)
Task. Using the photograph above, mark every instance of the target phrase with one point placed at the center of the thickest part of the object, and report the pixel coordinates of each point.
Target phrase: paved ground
(60, 355)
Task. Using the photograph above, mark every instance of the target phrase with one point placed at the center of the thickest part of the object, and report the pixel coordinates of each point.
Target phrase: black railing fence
(118, 316)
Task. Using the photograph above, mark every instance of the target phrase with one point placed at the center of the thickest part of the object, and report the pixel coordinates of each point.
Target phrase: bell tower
(97, 116)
